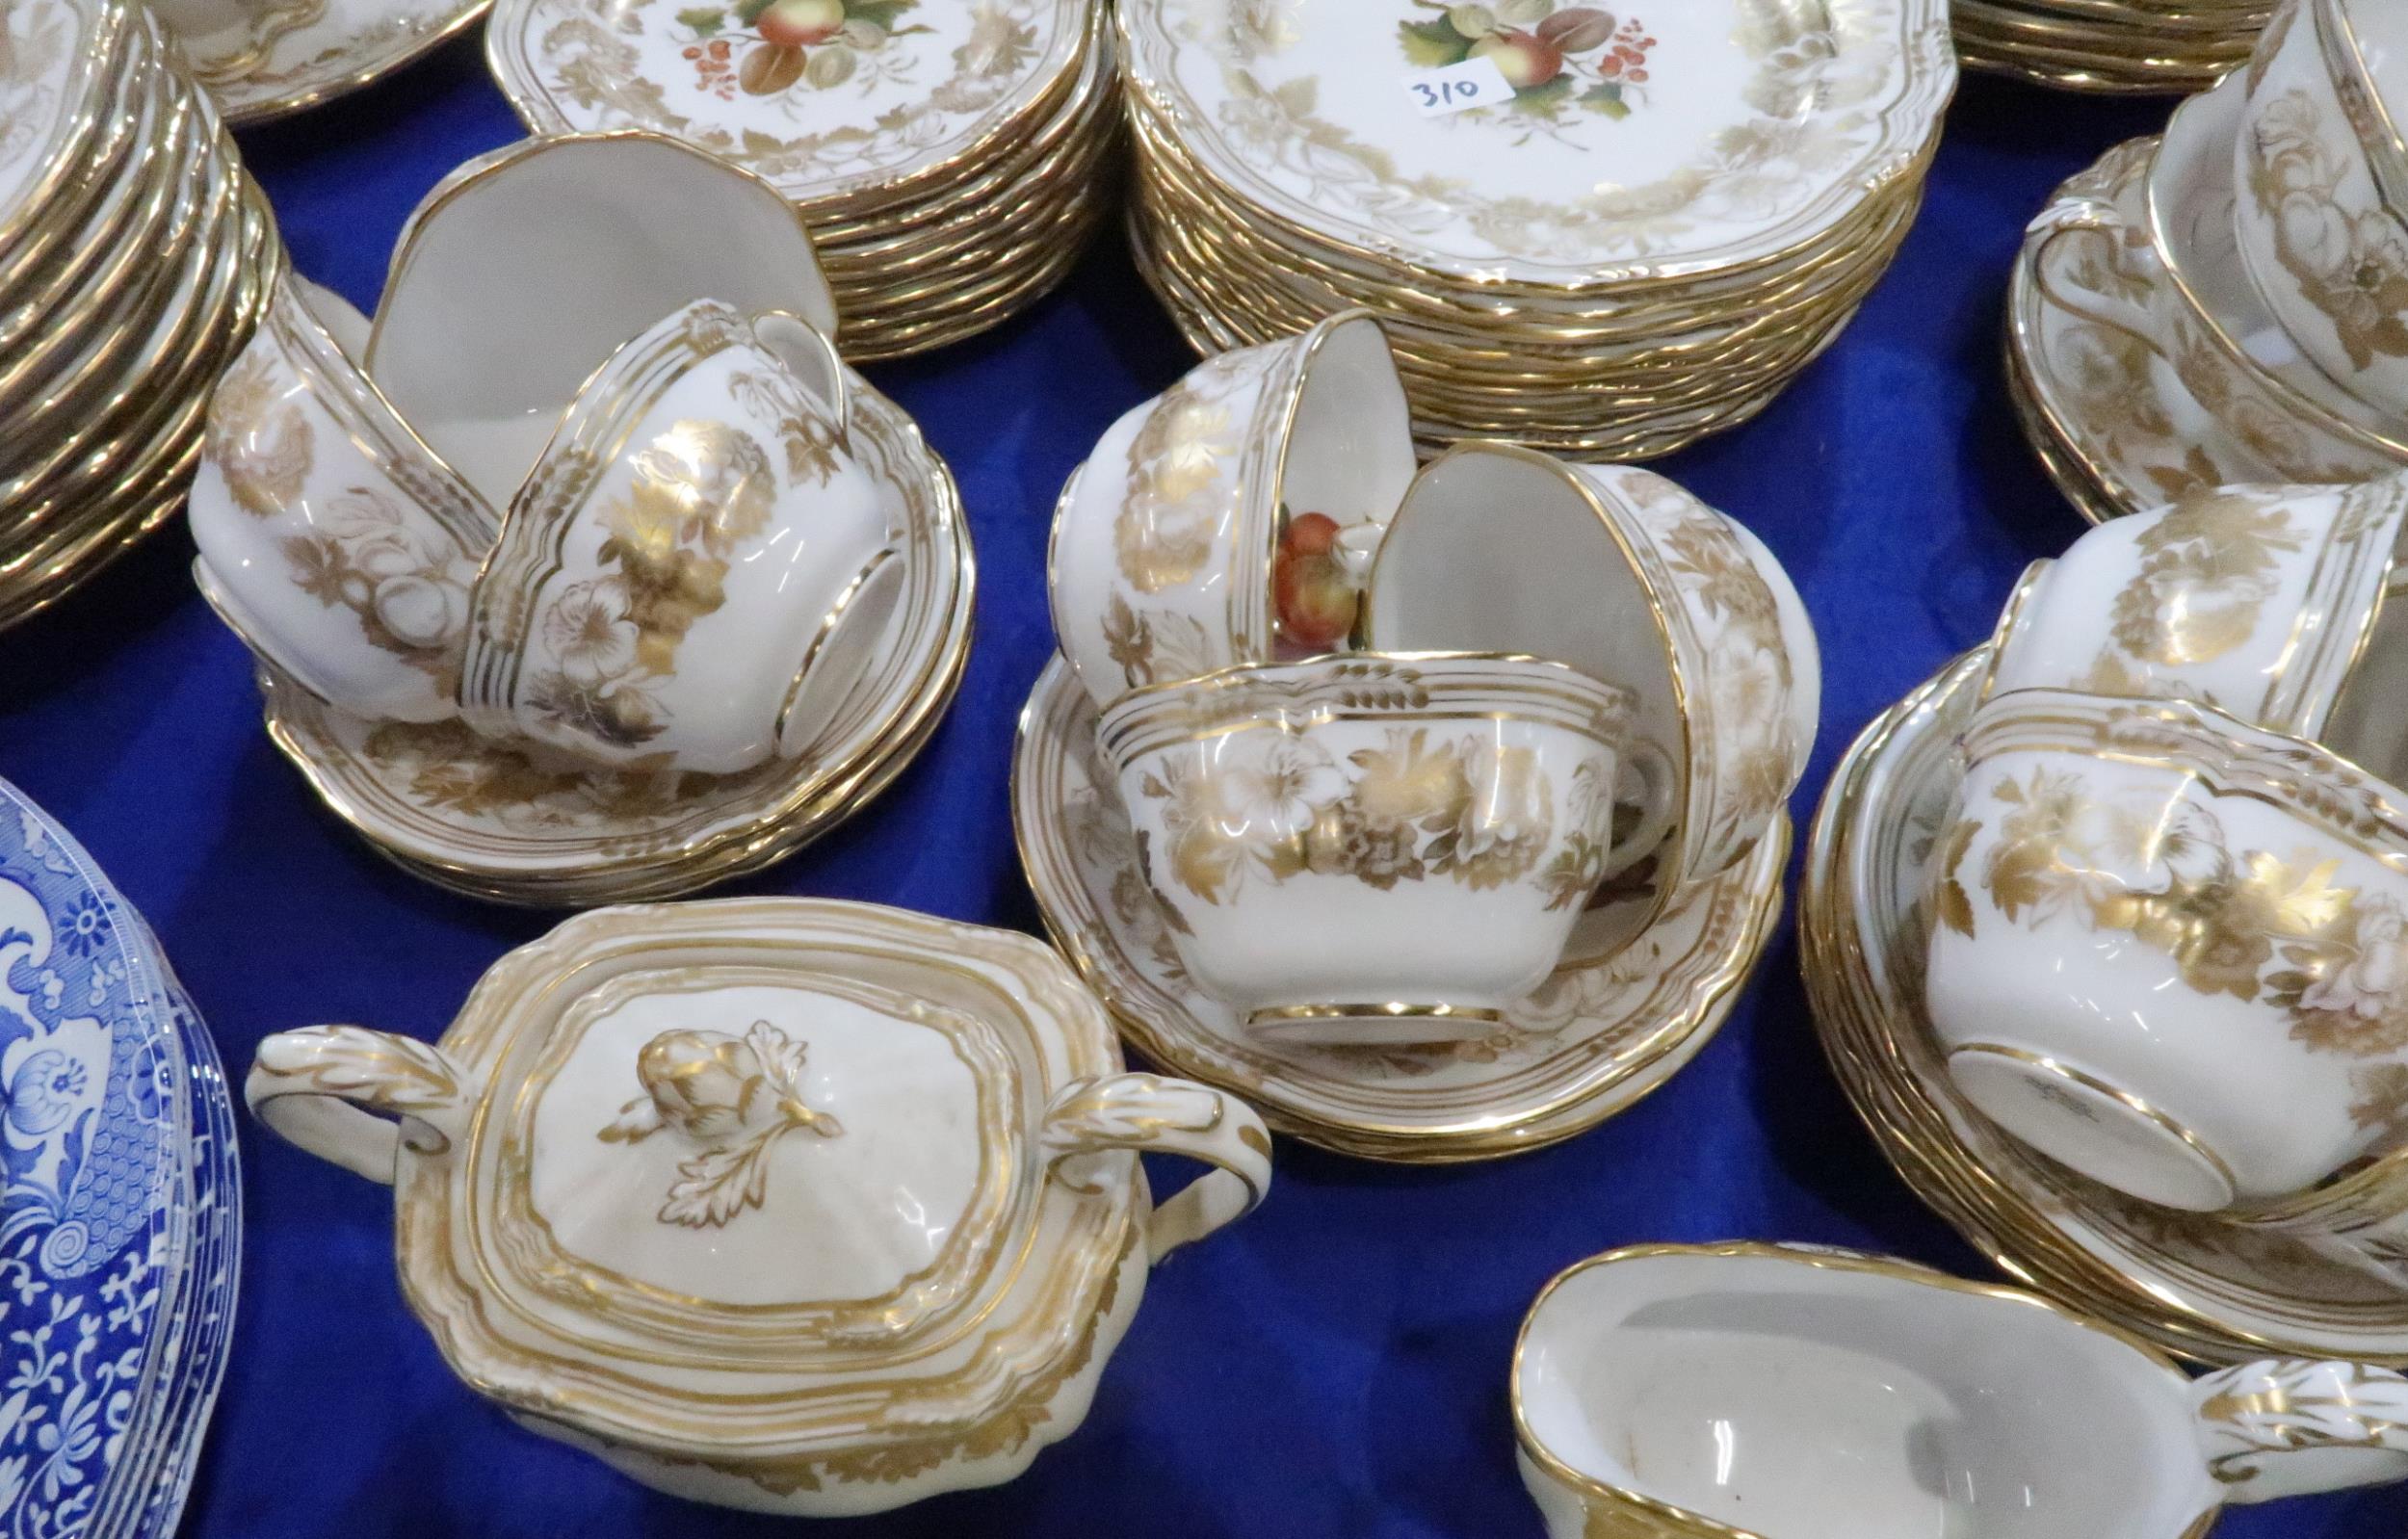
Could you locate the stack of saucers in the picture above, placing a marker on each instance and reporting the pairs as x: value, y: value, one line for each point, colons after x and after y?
x: 1663, y: 218
x: 951, y: 160
x: 135, y: 258
x: 120, y: 1222
x: 2111, y: 45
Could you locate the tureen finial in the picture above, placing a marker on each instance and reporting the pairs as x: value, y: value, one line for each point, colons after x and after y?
x: 733, y: 1096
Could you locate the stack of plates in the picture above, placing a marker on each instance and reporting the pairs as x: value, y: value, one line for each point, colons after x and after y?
x: 951, y: 160
x: 121, y: 1223
x: 2116, y: 45
x: 1675, y: 212
x: 134, y: 258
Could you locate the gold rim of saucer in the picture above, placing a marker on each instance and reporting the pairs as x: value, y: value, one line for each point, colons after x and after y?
x: 2173, y: 1301
x: 1736, y: 912
x: 794, y: 802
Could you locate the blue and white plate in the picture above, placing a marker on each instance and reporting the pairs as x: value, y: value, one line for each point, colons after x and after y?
x: 120, y: 1212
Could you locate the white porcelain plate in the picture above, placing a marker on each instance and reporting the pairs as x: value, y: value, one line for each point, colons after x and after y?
x: 1595, y: 1038
x: 281, y: 59
x: 823, y: 97
x: 1666, y: 138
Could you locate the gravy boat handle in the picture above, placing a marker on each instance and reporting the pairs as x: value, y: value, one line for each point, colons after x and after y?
x: 2293, y: 1427
x: 1155, y: 1115
x: 356, y: 1098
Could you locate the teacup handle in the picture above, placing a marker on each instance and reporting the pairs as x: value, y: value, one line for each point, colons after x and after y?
x: 2095, y: 216
x: 1154, y: 1115
x: 356, y: 1097
x: 2291, y: 1426
x: 1653, y: 768
x: 811, y: 355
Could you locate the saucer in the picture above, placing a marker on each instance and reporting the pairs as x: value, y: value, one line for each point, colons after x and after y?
x: 320, y: 50
x: 2124, y: 419
x: 1596, y: 1038
x: 2114, y: 47
x: 2200, y: 1287
x: 485, y: 820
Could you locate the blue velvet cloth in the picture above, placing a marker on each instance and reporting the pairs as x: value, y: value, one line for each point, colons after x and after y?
x: 1335, y: 1365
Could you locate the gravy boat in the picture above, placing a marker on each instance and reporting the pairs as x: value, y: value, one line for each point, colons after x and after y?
x: 1766, y: 1392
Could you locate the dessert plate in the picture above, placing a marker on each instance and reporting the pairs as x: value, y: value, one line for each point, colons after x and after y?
x: 1599, y: 1036
x: 304, y: 52
x: 2208, y: 1290
x: 1746, y: 128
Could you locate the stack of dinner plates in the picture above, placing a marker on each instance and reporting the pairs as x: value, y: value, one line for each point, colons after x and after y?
x: 120, y: 1217
x: 2117, y: 45
x: 950, y: 158
x: 1657, y: 218
x: 134, y: 258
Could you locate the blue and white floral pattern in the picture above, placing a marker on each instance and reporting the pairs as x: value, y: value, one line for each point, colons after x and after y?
x: 120, y: 1215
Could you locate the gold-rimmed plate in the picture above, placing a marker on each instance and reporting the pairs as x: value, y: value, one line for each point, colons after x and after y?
x: 1598, y: 1037
x: 345, y: 45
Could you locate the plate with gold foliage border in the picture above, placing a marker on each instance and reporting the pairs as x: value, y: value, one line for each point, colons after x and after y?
x: 2210, y: 1289
x: 1606, y: 1029
x: 301, y: 53
x: 489, y: 820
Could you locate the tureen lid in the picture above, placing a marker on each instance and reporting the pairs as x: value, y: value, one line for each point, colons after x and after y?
x: 765, y: 1183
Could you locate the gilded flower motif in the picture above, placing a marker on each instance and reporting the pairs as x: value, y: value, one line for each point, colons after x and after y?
x: 1278, y: 788
x: 2349, y: 259
x: 733, y: 1096
x: 1504, y: 823
x: 588, y: 630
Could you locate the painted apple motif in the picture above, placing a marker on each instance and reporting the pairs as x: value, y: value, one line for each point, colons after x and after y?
x: 800, y: 23
x: 1311, y: 591
x: 1521, y: 57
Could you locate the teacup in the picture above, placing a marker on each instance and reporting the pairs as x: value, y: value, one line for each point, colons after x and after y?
x: 1628, y: 578
x: 697, y: 569
x: 2170, y: 950
x: 2322, y: 212
x: 353, y: 471
x: 2261, y: 601
x: 1375, y: 848
x: 1766, y: 1392
x: 1226, y: 520
x: 526, y: 268
x: 2179, y: 288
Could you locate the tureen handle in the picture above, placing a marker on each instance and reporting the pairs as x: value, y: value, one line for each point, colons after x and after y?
x: 1154, y: 1115
x: 356, y: 1097
x: 2289, y: 1426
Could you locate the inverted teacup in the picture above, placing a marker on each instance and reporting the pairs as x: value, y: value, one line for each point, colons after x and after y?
x: 697, y: 570
x: 2261, y: 601
x: 1628, y: 578
x: 1372, y: 848
x: 1226, y: 521
x: 2322, y: 178
x: 1764, y: 1392
x: 2170, y: 950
